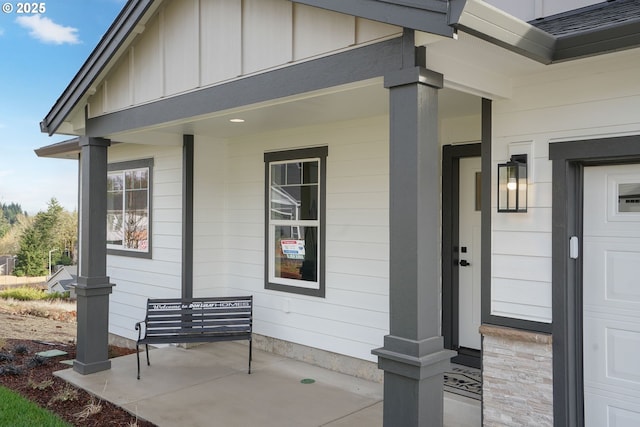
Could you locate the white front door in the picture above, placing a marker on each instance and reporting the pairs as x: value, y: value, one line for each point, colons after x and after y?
x: 611, y: 296
x: 469, y: 254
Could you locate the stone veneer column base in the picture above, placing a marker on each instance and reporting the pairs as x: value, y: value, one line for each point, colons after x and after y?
x: 517, y: 375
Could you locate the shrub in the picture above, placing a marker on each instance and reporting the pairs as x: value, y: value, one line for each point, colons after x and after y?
x: 36, y: 361
x: 10, y: 370
x: 67, y: 394
x: 56, y: 296
x: 26, y: 293
x: 6, y: 357
x: 21, y: 349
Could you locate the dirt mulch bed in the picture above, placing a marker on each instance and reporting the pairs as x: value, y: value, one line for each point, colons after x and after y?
x: 32, y: 376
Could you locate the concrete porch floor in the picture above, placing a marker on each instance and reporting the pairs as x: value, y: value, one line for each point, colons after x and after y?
x: 208, y: 385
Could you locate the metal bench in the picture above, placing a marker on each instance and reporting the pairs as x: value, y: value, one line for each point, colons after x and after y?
x: 194, y: 320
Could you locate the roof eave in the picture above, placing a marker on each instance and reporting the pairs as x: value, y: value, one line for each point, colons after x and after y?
x: 108, y: 46
x: 69, y: 149
x: 431, y: 16
x: 610, y: 39
x: 493, y: 25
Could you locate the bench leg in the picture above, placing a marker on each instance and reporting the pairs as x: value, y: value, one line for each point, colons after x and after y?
x: 138, y: 358
x: 250, y: 354
x: 147, y: 351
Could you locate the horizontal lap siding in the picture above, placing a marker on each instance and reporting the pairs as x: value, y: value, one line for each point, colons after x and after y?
x: 353, y: 318
x: 209, y: 254
x: 591, y: 98
x: 137, y: 279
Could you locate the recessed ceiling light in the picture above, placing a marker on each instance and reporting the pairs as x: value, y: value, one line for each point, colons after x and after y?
x: 236, y: 120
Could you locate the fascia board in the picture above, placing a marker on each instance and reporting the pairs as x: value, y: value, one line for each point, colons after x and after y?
x: 489, y: 23
x: 64, y: 149
x: 615, y: 38
x: 430, y: 16
x: 123, y: 26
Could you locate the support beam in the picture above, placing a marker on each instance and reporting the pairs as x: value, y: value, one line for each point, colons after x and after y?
x: 93, y: 286
x: 413, y: 356
x: 187, y: 215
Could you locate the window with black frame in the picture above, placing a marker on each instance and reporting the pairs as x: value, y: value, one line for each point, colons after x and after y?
x: 129, y: 208
x: 294, y: 220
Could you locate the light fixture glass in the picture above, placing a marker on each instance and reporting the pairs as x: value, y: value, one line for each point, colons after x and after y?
x: 512, y: 184
x: 236, y: 120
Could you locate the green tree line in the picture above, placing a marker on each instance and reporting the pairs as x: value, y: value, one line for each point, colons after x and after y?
x: 31, y: 238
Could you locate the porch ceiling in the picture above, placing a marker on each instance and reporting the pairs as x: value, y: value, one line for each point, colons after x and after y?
x: 339, y: 104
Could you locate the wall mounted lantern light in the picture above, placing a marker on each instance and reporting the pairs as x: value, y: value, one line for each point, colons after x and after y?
x: 512, y: 184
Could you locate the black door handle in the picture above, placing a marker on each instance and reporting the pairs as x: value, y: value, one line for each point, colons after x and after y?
x: 464, y: 263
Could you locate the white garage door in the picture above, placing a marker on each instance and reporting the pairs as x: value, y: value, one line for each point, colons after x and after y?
x: 611, y: 296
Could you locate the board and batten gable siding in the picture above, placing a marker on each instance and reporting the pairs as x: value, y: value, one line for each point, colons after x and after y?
x: 137, y: 279
x: 590, y: 98
x: 354, y: 316
x: 190, y: 44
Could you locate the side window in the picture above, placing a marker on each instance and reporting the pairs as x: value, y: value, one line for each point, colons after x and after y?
x: 295, y: 220
x: 129, y: 186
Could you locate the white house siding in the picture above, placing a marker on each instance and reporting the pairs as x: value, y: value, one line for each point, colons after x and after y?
x: 528, y: 10
x: 191, y: 44
x: 137, y: 279
x: 354, y: 316
x: 591, y: 98
x: 209, y: 257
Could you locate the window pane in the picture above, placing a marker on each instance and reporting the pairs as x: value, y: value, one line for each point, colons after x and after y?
x: 114, y: 201
x: 136, y: 230
x: 296, y: 253
x: 114, y: 182
x: 136, y: 200
x: 114, y: 228
x: 137, y: 178
x: 294, y: 202
x: 310, y: 172
x: 295, y: 173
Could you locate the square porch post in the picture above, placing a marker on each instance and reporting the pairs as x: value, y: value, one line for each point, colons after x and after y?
x: 413, y: 356
x: 93, y: 287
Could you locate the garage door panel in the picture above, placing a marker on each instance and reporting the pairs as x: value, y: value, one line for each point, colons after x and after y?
x: 611, y: 296
x: 612, y: 347
x: 612, y: 268
x: 617, y: 190
x: 609, y: 411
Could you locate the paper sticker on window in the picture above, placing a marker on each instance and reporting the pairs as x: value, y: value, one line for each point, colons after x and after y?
x: 628, y: 197
x: 293, y: 249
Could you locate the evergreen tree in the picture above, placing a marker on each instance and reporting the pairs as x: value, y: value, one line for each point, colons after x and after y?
x: 31, y: 259
x: 4, y: 226
x: 38, y: 239
x: 11, y: 211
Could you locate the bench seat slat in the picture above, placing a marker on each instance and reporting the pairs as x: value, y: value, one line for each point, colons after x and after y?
x: 226, y: 315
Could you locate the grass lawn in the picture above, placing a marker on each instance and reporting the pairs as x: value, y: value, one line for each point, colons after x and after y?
x: 16, y: 411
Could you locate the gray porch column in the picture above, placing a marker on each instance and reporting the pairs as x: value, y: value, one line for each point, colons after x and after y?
x: 413, y: 356
x: 93, y: 286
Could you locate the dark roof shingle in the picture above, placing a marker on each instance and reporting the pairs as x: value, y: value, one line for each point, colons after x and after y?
x: 594, y: 17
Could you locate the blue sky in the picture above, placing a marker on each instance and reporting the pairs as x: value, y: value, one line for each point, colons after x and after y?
x: 39, y: 55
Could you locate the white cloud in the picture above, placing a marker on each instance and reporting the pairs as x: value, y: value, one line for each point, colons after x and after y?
x: 47, y: 31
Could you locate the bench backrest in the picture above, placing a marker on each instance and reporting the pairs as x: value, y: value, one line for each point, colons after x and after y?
x: 223, y: 316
